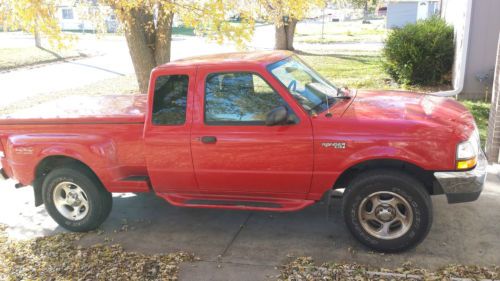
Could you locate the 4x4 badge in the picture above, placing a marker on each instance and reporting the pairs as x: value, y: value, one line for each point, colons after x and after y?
x: 336, y: 145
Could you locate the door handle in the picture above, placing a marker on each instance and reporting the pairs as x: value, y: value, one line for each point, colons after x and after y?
x: 208, y: 139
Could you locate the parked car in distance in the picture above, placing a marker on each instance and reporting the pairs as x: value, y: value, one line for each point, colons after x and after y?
x: 257, y: 131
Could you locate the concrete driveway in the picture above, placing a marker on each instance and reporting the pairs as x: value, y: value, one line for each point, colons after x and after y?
x: 239, y: 245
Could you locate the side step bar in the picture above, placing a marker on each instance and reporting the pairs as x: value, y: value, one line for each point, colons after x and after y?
x: 235, y: 203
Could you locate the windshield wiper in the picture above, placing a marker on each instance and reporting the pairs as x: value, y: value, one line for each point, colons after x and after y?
x: 329, y: 101
x: 342, y: 97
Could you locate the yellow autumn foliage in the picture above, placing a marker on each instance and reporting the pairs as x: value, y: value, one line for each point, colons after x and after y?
x: 34, y: 15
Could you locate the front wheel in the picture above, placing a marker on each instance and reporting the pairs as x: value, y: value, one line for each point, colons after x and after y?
x: 387, y: 210
x: 76, y: 199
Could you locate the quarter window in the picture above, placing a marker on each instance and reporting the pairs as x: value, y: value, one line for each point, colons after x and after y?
x: 239, y: 98
x: 170, y: 99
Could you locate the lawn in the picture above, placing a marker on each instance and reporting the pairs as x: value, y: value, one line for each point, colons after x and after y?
x: 481, y: 112
x: 352, y: 69
x: 17, y: 57
x: 182, y: 30
x: 340, y: 32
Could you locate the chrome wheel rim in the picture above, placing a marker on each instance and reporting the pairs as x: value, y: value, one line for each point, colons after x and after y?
x: 71, y: 201
x: 385, y: 215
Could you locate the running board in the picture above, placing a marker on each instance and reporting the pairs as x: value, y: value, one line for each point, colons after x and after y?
x: 235, y: 203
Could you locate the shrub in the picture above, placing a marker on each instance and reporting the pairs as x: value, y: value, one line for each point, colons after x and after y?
x: 420, y: 53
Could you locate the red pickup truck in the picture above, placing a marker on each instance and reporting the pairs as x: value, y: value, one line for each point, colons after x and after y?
x: 250, y: 131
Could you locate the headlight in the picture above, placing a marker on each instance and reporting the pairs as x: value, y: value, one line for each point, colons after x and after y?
x: 468, y: 151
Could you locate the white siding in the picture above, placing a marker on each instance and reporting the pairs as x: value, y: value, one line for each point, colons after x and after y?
x: 493, y: 141
x: 454, y: 12
x: 401, y: 13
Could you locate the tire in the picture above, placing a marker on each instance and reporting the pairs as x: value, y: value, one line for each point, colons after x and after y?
x: 64, y: 188
x: 387, y: 210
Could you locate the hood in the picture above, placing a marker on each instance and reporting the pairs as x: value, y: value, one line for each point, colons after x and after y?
x: 411, y: 107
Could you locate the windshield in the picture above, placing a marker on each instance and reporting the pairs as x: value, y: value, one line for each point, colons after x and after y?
x: 312, y: 92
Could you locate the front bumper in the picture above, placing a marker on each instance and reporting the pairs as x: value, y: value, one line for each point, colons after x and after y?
x: 464, y: 186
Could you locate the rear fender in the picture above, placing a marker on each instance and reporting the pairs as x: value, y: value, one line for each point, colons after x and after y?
x: 26, y: 152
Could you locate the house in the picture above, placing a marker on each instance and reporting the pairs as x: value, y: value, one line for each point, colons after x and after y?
x: 477, y: 26
x: 400, y: 13
x: 74, y: 16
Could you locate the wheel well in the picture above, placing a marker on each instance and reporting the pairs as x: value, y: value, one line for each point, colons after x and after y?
x: 424, y: 176
x: 50, y: 163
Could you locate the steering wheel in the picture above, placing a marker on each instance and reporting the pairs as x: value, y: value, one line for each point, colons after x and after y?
x: 292, y: 86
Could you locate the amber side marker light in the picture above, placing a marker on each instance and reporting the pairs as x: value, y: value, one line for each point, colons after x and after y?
x: 466, y: 164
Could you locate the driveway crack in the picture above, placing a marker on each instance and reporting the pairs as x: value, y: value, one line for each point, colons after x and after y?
x: 228, y: 246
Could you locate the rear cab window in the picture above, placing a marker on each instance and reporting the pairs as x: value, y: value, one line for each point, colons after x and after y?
x: 170, y: 100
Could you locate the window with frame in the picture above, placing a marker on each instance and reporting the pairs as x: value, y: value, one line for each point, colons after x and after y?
x: 170, y: 100
x: 67, y: 14
x: 239, y: 98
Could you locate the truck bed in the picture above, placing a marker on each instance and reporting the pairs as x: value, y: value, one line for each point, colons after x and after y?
x: 82, y: 110
x: 105, y: 131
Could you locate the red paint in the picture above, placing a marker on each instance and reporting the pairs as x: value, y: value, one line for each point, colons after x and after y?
x: 286, y: 165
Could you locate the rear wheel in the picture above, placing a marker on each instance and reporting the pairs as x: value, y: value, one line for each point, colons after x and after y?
x: 387, y: 210
x: 75, y: 199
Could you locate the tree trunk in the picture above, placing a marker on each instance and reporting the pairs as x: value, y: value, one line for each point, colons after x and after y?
x: 38, y: 40
x: 148, y: 49
x: 280, y: 41
x: 365, y: 12
x: 290, y: 34
x: 163, y: 38
x: 284, y: 35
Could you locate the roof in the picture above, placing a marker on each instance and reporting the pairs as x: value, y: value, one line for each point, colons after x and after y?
x: 258, y: 57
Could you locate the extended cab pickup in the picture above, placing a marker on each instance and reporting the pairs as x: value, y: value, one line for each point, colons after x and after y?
x: 250, y: 131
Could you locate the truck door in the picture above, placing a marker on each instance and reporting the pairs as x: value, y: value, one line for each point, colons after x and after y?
x: 233, y: 150
x: 167, y: 131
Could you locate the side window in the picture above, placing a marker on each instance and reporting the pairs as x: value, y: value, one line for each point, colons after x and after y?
x: 170, y: 99
x: 239, y: 98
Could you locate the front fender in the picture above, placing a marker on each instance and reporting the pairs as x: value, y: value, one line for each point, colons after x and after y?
x: 381, y: 153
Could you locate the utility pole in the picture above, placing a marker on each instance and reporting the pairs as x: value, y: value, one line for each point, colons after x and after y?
x: 323, y: 26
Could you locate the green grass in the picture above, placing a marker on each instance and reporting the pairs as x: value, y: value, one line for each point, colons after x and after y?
x: 352, y: 69
x: 11, y: 58
x: 182, y: 30
x: 340, y: 32
x: 481, y: 112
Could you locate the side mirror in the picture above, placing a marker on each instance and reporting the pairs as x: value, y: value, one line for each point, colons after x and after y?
x: 277, y: 116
